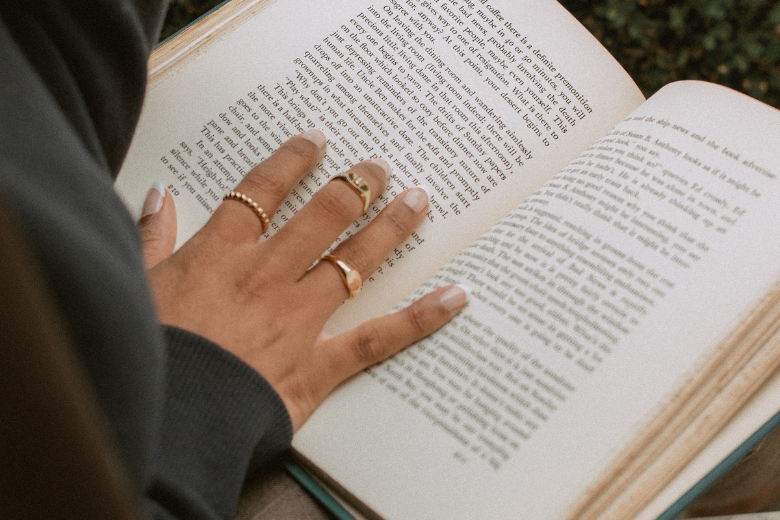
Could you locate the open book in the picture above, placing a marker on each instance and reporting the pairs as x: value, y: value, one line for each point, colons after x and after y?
x: 623, y: 254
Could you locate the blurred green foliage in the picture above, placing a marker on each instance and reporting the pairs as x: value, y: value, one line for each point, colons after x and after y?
x: 732, y: 42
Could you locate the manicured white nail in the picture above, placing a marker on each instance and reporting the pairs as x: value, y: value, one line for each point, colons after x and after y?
x: 417, y: 198
x: 384, y: 165
x: 154, y: 200
x: 316, y: 137
x: 455, y: 297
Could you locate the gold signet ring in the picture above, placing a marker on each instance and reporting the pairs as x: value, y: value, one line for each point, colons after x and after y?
x: 349, y: 276
x: 240, y: 197
x: 356, y: 183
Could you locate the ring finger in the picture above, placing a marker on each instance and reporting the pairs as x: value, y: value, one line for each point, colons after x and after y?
x: 365, y: 251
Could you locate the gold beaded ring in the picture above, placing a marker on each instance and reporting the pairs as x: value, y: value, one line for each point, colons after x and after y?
x: 240, y: 197
x: 350, y: 277
x: 356, y: 183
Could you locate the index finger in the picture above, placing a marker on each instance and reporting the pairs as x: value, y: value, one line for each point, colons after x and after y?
x: 268, y: 184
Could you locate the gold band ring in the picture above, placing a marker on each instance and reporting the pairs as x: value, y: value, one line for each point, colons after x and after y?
x: 240, y: 197
x: 356, y: 183
x: 349, y: 276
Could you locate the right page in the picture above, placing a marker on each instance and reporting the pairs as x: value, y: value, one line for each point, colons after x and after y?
x: 611, y: 305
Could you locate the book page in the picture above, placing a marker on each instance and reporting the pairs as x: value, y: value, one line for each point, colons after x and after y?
x: 593, y: 302
x: 761, y: 409
x: 481, y: 102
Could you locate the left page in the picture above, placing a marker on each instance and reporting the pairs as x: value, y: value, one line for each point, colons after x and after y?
x: 482, y: 102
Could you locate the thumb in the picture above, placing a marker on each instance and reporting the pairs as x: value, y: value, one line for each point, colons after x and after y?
x: 157, y: 225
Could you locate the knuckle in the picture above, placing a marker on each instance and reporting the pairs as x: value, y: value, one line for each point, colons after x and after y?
x: 399, y: 225
x: 301, y: 148
x: 368, y: 349
x: 358, y: 255
x: 267, y: 181
x: 150, y: 236
x: 252, y: 283
x: 334, y: 204
x: 418, y: 319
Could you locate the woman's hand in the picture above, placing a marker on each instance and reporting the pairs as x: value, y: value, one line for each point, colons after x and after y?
x: 263, y: 301
x: 157, y: 225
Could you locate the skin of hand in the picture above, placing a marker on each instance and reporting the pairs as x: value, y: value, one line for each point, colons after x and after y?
x: 267, y: 300
x: 158, y: 225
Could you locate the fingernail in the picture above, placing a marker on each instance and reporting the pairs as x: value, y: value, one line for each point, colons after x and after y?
x: 154, y: 200
x: 384, y: 165
x: 316, y: 137
x: 417, y: 198
x: 455, y: 297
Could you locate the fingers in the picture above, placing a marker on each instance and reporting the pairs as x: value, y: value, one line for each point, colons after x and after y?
x: 365, y: 251
x: 332, y: 209
x: 268, y: 184
x: 382, y: 337
x: 157, y: 225
x: 347, y: 354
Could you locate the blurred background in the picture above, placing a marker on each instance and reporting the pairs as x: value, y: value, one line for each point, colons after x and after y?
x: 732, y: 42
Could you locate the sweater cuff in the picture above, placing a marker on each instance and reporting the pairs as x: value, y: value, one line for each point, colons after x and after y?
x: 221, y: 416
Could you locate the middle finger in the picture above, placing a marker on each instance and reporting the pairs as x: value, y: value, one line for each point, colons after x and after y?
x: 334, y: 207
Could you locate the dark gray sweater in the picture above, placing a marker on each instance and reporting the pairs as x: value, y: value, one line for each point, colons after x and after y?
x: 189, y: 417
